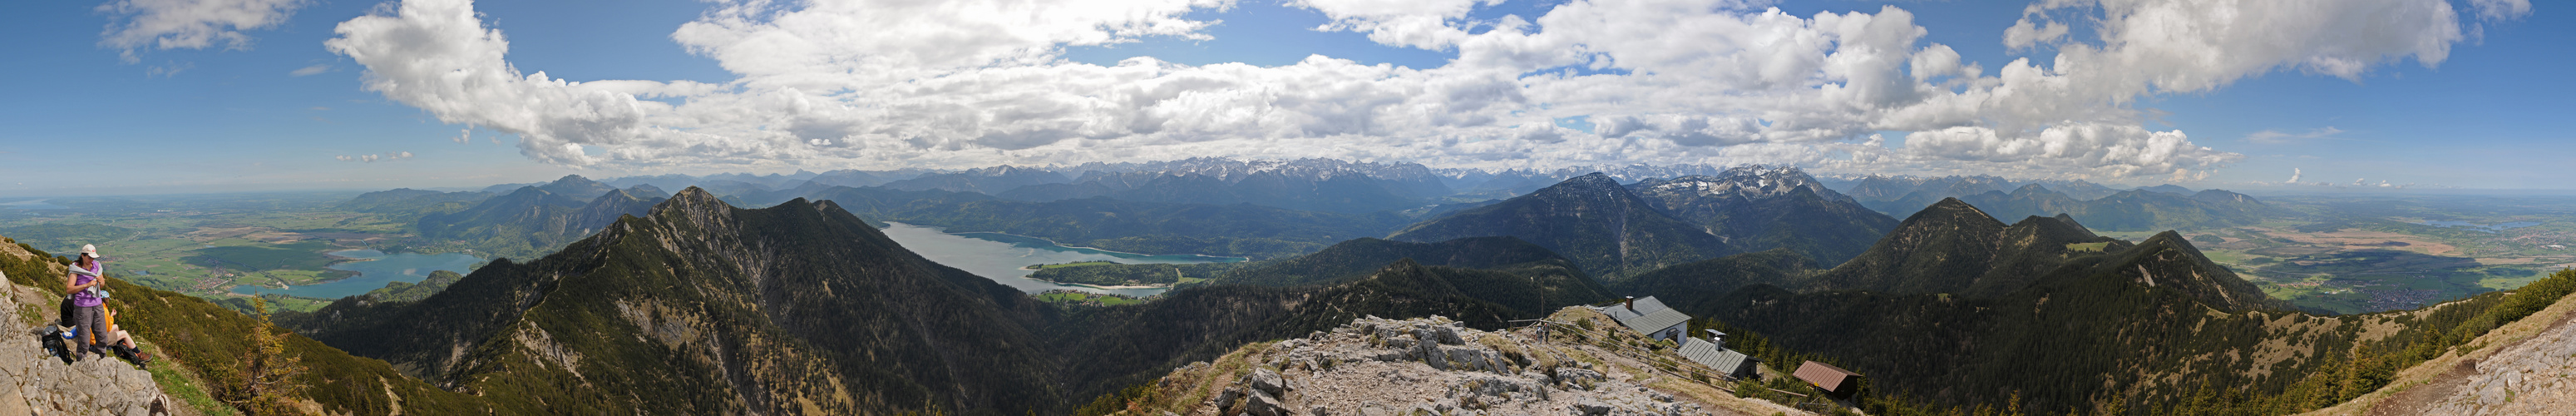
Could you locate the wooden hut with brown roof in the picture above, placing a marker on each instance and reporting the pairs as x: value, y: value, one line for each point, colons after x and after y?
x: 1833, y: 380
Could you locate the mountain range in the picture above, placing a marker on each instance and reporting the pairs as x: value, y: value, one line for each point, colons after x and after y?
x: 1759, y: 208
x: 1593, y: 220
x: 2132, y: 210
x: 689, y: 304
x: 534, y: 220
x: 803, y: 307
x: 2160, y: 207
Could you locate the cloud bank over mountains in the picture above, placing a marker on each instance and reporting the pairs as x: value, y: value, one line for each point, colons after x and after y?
x: 982, y: 82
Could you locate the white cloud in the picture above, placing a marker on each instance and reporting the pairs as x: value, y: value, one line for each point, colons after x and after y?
x: 311, y: 70
x: 2502, y: 9
x: 983, y: 82
x: 2279, y: 137
x: 188, y: 24
x: 2024, y: 34
x: 2084, y: 149
x: 2294, y: 176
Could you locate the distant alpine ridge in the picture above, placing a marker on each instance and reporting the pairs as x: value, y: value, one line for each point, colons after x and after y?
x: 2152, y: 208
x: 1759, y: 208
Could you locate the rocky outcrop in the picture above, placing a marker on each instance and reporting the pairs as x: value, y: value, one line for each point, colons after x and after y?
x: 1376, y: 366
x: 33, y: 381
x: 2524, y: 368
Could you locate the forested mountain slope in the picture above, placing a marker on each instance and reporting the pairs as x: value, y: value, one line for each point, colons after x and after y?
x: 2084, y: 326
x: 702, y: 308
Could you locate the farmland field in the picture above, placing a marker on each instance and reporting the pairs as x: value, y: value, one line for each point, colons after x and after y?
x: 204, y: 245
x: 2353, y: 253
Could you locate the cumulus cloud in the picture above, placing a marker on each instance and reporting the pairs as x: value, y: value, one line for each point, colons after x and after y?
x: 2294, y: 176
x: 188, y: 24
x: 2024, y: 35
x: 981, y: 82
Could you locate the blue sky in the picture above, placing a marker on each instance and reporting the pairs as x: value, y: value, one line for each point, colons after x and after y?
x: 240, y: 116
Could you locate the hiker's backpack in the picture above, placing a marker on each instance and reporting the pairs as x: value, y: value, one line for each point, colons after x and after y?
x: 55, y: 345
x: 68, y: 309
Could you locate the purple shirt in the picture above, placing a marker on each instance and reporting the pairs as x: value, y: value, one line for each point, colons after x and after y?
x: 88, y: 299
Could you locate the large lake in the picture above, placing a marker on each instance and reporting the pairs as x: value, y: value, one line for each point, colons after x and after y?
x: 375, y: 269
x: 1000, y: 256
x: 2497, y: 228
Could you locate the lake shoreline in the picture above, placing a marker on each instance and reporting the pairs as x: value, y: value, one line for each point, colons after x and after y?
x: 1009, y: 259
x: 942, y: 230
x: 367, y: 270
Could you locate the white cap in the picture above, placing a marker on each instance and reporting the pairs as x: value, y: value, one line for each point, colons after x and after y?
x: 90, y: 249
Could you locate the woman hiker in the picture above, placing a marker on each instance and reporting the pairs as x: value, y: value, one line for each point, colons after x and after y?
x: 120, y: 341
x: 85, y: 280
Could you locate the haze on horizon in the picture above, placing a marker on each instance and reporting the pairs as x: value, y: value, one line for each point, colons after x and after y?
x: 129, y: 96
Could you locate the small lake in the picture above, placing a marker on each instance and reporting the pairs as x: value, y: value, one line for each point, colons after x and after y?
x: 2498, y: 228
x: 375, y: 268
x: 1000, y: 256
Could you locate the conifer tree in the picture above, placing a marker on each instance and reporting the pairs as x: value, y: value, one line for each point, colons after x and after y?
x: 268, y: 383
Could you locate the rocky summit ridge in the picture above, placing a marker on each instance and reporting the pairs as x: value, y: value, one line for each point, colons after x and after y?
x: 1375, y: 366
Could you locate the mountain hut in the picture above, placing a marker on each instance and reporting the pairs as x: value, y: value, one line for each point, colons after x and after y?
x: 1734, y: 364
x: 1650, y: 317
x: 1833, y: 380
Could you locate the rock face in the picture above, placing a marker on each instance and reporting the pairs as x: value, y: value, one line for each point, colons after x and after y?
x: 1376, y: 366
x: 2536, y: 376
x: 34, y: 381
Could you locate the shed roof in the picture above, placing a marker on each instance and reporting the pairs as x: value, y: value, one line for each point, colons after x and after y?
x: 1708, y: 354
x: 1655, y: 321
x: 1825, y: 376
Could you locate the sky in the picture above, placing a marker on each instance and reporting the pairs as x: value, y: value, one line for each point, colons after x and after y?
x: 171, y: 96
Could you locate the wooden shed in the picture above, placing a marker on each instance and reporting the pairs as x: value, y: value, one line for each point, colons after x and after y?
x: 1829, y: 378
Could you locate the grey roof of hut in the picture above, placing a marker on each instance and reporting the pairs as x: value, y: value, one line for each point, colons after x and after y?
x: 1658, y: 320
x: 1645, y: 306
x: 1708, y: 354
